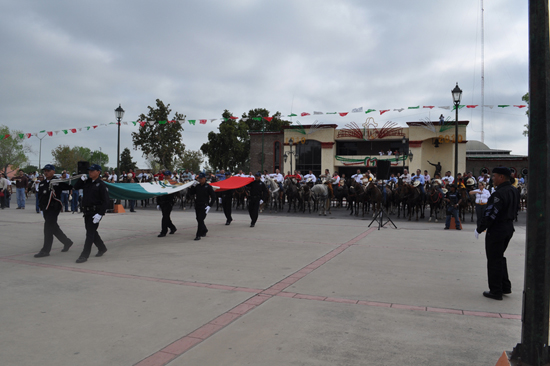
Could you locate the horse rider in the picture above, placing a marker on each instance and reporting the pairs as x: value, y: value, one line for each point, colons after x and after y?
x: 420, y: 178
x: 278, y: 178
x: 311, y: 176
x: 406, y: 177
x: 448, y: 178
x: 358, y: 177
x: 426, y: 176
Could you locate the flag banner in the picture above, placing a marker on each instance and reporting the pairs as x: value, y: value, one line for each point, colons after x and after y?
x: 343, y: 114
x: 21, y: 136
x: 125, y: 123
x: 213, y: 119
x: 202, y: 121
x: 140, y: 191
x: 503, y: 105
x: 384, y: 111
x: 489, y: 105
x: 192, y: 121
x: 445, y: 107
x: 417, y: 107
x: 357, y: 110
x: 292, y: 115
x: 332, y: 113
x: 268, y: 119
x: 471, y: 105
x: 257, y: 118
x: 399, y: 110
x: 428, y: 106
x: 231, y: 183
x: 233, y: 117
x: 370, y: 110
x: 304, y: 114
x: 316, y: 112
x: 520, y: 106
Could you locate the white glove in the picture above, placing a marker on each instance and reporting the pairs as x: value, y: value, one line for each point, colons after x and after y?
x: 476, y: 234
x: 261, y: 201
x: 84, y: 177
x: 158, y: 207
x: 97, y: 218
x: 42, y: 212
x: 207, y: 209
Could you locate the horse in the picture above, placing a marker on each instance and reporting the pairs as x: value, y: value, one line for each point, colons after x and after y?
x: 306, y: 197
x: 435, y: 200
x: 374, y: 196
x: 467, y: 202
x: 413, y: 198
x: 274, y: 192
x: 292, y: 193
x: 321, y: 194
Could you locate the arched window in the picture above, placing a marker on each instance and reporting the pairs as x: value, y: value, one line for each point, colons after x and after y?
x: 308, y: 157
x: 276, y: 155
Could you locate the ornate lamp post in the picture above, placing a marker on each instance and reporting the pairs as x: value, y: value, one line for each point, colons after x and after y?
x: 457, y: 95
x: 290, y: 154
x: 119, y: 113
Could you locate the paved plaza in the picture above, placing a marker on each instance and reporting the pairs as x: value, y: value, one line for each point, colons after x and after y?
x: 298, y: 289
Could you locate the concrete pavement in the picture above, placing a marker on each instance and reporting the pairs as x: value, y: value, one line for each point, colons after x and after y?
x: 297, y: 289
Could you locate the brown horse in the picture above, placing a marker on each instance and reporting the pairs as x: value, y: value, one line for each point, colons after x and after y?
x: 374, y: 195
x: 435, y: 200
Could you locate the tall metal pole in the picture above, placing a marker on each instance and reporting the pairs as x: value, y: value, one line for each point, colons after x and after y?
x: 263, y: 130
x: 482, y: 75
x: 118, y: 150
x: 456, y: 142
x: 40, y: 152
x: 533, y: 348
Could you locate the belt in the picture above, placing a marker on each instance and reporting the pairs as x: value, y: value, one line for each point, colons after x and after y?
x: 90, y: 208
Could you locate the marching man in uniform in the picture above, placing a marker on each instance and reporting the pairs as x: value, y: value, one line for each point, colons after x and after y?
x: 258, y: 191
x: 95, y: 200
x: 204, y: 199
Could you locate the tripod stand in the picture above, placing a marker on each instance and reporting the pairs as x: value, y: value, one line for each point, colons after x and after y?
x: 379, y: 218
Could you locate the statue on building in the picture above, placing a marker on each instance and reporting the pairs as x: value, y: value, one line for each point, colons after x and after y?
x: 437, y: 167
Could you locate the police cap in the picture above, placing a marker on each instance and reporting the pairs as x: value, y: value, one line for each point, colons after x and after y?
x: 48, y: 167
x: 95, y: 167
x: 502, y: 170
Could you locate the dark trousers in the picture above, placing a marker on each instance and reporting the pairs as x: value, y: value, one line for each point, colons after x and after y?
x: 51, y: 229
x: 166, y: 222
x: 253, y: 209
x: 452, y: 212
x: 480, y: 210
x: 496, y: 242
x: 200, y: 211
x: 226, y: 203
x: 92, y: 236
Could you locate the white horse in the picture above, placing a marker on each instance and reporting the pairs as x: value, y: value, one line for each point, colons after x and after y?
x: 274, y: 189
x: 321, y: 193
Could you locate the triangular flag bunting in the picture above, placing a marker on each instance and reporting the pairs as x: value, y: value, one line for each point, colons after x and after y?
x: 428, y: 106
x: 192, y: 121
x: 520, y: 106
x: 292, y: 115
x: 445, y: 107
x: 73, y: 130
x: 417, y: 107
x: 94, y: 127
x: 50, y: 133
x: 370, y: 110
x: 257, y: 118
x: 268, y: 119
x: 503, y: 105
x: 21, y: 136
x: 343, y: 114
x: 202, y: 121
x: 213, y: 119
x: 303, y: 114
x: 125, y: 123
x: 489, y: 105
x: 399, y: 110
x: 331, y: 113
x: 65, y: 131
x: 357, y: 110
x: 233, y: 117
x: 162, y: 122
x: 29, y: 135
x: 384, y: 111
x: 471, y: 105
x: 315, y: 112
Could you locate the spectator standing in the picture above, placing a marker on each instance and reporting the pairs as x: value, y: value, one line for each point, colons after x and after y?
x: 21, y: 182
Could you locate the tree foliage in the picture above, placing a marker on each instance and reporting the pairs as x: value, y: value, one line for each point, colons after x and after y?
x: 191, y: 160
x: 525, y: 98
x: 230, y: 148
x: 126, y: 162
x: 161, y: 142
x: 12, y: 151
x: 67, y: 158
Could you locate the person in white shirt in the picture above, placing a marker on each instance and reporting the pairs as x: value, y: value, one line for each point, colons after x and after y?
x: 448, y: 178
x: 426, y: 176
x: 369, y: 175
x: 482, y: 196
x: 358, y: 177
x: 381, y: 153
x: 390, y: 152
x: 310, y: 175
x: 406, y: 177
x: 335, y: 179
x: 278, y: 178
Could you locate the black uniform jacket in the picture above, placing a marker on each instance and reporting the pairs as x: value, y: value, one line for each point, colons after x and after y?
x: 203, y: 194
x: 502, y: 207
x: 95, y: 195
x: 47, y: 200
x: 258, y: 189
x: 166, y: 200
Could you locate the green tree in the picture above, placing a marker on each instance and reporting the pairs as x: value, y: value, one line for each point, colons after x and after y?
x: 126, y: 162
x: 12, y: 151
x: 29, y: 169
x: 255, y: 123
x: 67, y: 158
x: 228, y: 149
x: 525, y: 98
x: 191, y: 160
x: 99, y: 158
x: 160, y: 141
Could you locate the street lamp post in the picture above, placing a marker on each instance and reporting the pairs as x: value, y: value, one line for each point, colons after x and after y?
x: 457, y: 95
x: 404, y: 142
x: 119, y: 113
x: 290, y: 154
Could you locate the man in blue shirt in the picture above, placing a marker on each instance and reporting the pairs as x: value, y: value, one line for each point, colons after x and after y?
x: 419, y: 177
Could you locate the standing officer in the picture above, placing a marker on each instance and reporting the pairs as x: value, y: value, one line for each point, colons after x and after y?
x: 258, y: 190
x: 50, y: 204
x: 227, y: 201
x: 95, y: 199
x: 165, y: 203
x: 498, y: 220
x: 204, y: 199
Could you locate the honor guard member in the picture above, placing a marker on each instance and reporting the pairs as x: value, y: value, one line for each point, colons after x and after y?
x: 227, y: 201
x: 258, y: 190
x: 204, y: 199
x: 498, y: 220
x: 49, y: 202
x: 95, y: 200
x: 165, y: 203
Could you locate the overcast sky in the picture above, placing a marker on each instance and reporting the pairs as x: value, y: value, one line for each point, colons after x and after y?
x: 68, y: 64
